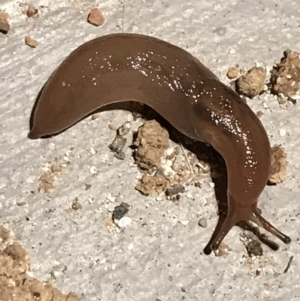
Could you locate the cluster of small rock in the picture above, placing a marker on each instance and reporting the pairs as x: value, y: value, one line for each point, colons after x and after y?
x: 95, y: 17
x: 284, y: 78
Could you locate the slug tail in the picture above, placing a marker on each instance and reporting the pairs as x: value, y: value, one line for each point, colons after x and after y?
x: 260, y: 221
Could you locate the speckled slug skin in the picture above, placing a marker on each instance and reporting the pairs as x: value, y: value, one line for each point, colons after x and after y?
x: 121, y: 67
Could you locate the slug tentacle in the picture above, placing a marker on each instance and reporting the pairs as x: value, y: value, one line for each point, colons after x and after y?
x: 260, y: 221
x: 230, y: 221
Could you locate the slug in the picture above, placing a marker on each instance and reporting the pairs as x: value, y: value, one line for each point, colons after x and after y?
x: 122, y: 67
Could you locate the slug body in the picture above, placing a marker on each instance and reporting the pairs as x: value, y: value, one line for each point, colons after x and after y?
x: 122, y: 67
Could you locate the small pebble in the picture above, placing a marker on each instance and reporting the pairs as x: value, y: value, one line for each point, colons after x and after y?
x: 282, y: 132
x: 93, y: 170
x: 95, y: 116
x: 124, y: 204
x: 232, y: 73
x: 184, y: 222
x: 189, y: 196
x: 252, y: 83
x: 169, y: 151
x: 169, y: 163
x: 4, y: 234
x: 265, y: 105
x: 259, y: 114
x: 121, y: 155
x: 31, y: 42
x: 95, y: 17
x: 119, y: 212
x: 92, y: 151
x: 205, y: 167
x: 110, y: 198
x: 123, y: 222
x: 175, y: 190
x: 21, y: 203
x: 88, y: 186
x: 118, y: 144
x: 112, y: 126
x: 4, y: 23
x: 76, y: 205
x: 212, y: 184
x: 254, y: 248
x: 32, y: 11
x: 124, y: 129
x: 202, y: 222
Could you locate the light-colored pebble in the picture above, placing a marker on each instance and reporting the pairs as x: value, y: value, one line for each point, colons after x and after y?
x: 93, y: 170
x: 282, y: 132
x: 123, y: 222
x: 184, y: 222
x: 92, y: 151
x: 31, y: 42
x: 169, y: 151
x: 265, y: 105
x: 110, y: 198
x: 168, y: 170
x: 124, y: 129
x: 189, y: 196
x: 202, y: 222
x: 296, y: 96
x: 205, y: 167
x: 169, y: 163
x: 129, y: 118
x: 130, y: 246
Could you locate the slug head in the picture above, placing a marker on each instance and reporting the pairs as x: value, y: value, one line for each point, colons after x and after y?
x: 236, y: 215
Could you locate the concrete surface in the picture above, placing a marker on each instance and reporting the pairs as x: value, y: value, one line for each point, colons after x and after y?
x: 158, y: 259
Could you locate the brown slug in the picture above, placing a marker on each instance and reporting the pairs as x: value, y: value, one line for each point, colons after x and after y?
x: 122, y: 67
